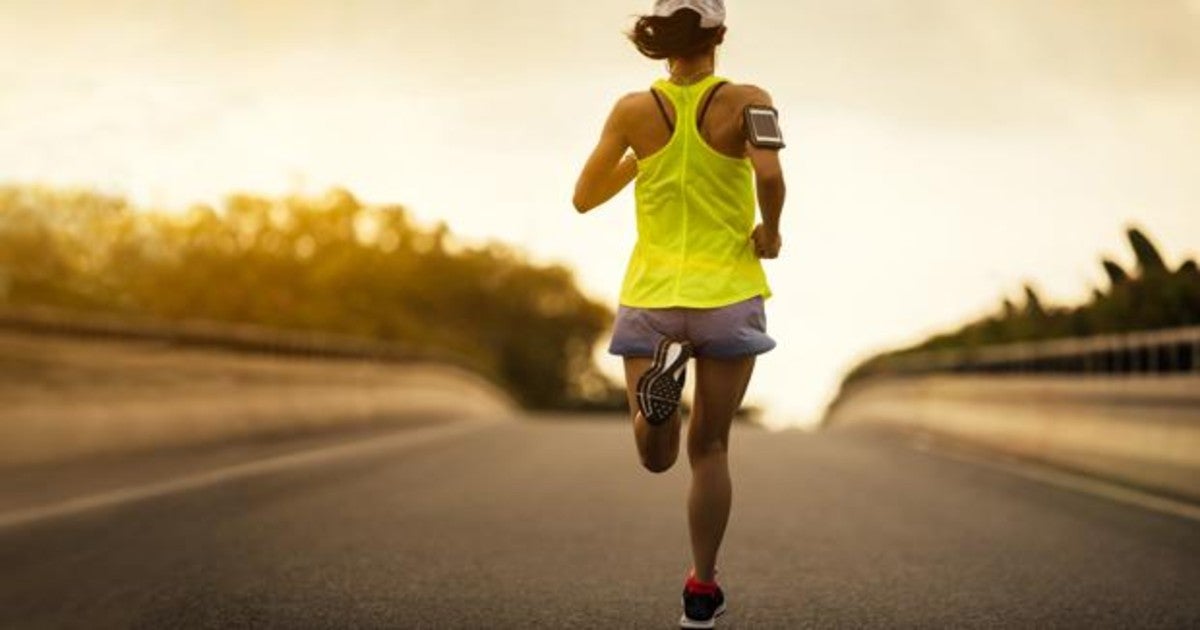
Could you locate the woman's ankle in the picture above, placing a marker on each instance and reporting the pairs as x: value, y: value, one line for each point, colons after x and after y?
x: 702, y: 580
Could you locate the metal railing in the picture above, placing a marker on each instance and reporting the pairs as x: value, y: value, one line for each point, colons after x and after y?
x: 1151, y: 353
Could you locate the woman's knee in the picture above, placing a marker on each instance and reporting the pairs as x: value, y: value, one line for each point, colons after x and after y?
x: 658, y: 463
x: 701, y: 447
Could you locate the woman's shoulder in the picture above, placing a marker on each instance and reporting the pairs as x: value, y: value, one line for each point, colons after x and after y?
x: 634, y: 99
x: 634, y: 104
x: 748, y: 93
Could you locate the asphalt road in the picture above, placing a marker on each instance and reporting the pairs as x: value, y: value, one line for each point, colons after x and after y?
x: 542, y: 524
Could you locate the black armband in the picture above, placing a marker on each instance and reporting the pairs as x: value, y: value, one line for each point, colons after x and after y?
x: 762, y: 127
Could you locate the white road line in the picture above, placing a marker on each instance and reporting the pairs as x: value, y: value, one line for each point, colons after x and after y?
x: 404, y: 440
x: 1069, y: 481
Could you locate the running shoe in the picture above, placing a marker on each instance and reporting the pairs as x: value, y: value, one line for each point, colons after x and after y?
x: 702, y: 604
x: 659, y: 389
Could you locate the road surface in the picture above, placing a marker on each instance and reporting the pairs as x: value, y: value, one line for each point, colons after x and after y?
x: 551, y: 524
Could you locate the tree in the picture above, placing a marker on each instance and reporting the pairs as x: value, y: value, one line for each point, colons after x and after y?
x: 1152, y: 298
x: 1116, y: 274
x: 1148, y: 258
x: 329, y: 263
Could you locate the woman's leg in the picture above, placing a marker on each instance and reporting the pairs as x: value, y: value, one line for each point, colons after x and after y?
x: 658, y: 446
x: 720, y: 386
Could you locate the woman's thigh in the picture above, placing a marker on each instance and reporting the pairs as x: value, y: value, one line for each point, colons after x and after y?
x: 720, y: 386
x: 635, y: 367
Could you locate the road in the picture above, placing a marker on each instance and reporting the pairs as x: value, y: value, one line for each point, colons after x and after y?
x: 551, y: 524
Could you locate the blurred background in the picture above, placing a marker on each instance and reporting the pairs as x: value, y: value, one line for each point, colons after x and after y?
x: 402, y: 170
x: 299, y: 327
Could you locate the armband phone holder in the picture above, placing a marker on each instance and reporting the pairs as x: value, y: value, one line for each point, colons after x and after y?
x: 762, y: 127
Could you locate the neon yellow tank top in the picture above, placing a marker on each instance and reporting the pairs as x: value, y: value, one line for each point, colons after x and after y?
x: 695, y: 215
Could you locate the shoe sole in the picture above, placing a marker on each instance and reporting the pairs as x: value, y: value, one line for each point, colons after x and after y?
x: 685, y: 622
x: 658, y: 391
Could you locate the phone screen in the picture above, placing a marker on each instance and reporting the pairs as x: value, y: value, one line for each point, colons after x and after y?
x: 765, y: 126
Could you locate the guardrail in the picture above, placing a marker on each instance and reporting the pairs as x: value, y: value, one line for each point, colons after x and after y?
x: 244, y: 382
x: 1123, y: 407
x: 226, y: 336
x: 1162, y: 352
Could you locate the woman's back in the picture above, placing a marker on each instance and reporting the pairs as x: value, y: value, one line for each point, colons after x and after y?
x: 722, y: 127
x: 695, y: 200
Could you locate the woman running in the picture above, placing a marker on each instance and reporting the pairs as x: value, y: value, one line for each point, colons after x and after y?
x: 702, y: 147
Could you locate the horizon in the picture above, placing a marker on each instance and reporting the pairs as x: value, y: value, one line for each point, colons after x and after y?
x: 1056, y: 126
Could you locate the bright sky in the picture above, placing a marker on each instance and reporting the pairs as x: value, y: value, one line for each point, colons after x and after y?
x: 941, y: 152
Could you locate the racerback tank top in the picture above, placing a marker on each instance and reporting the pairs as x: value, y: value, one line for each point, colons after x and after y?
x: 695, y: 214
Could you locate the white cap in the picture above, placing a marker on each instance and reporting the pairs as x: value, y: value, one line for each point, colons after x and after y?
x: 712, y: 12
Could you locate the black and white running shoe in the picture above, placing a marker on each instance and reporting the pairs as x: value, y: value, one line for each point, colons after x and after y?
x: 702, y: 604
x: 659, y: 389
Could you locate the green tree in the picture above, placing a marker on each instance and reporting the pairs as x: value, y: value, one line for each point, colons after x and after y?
x: 329, y: 263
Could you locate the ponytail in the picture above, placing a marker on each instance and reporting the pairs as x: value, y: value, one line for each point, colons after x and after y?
x: 677, y: 36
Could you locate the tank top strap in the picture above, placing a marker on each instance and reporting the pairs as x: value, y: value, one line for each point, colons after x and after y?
x: 687, y: 99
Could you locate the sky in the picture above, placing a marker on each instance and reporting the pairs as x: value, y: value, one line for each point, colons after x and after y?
x: 941, y: 152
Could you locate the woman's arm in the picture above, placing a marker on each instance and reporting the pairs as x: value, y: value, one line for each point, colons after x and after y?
x: 772, y: 191
x: 606, y: 172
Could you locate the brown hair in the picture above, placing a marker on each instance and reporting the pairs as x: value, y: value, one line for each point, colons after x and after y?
x: 677, y: 36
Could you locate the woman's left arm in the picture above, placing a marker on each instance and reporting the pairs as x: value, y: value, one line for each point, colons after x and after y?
x: 606, y: 172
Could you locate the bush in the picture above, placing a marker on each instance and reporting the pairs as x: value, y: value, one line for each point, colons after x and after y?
x: 1150, y: 297
x: 327, y: 263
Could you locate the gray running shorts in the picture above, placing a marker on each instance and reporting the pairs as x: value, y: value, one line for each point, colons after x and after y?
x: 728, y: 332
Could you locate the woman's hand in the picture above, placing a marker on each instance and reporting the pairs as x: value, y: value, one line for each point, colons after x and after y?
x: 767, y: 242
